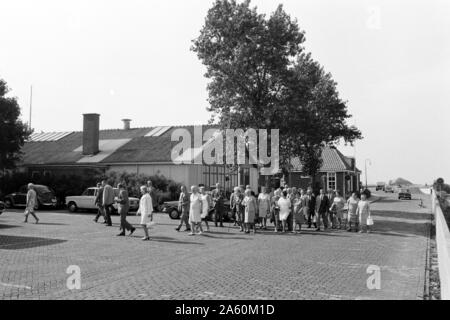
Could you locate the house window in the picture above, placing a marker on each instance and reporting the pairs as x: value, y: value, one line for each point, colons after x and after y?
x: 35, y: 175
x: 218, y: 174
x: 331, y: 180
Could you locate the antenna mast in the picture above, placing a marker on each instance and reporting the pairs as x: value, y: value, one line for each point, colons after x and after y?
x: 31, y: 105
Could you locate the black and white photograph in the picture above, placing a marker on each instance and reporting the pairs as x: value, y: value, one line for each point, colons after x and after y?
x: 219, y: 157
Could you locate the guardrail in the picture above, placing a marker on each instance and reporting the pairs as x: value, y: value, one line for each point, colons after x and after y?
x: 443, y: 247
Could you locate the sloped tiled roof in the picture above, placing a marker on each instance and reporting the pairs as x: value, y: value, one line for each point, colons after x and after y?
x: 133, y: 146
x: 333, y: 161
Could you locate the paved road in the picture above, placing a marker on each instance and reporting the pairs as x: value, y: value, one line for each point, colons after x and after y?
x: 224, y: 264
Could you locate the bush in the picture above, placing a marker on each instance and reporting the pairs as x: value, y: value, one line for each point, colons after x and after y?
x: 167, y: 189
x: 74, y: 184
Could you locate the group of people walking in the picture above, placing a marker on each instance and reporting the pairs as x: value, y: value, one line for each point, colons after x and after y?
x: 288, y: 209
x: 106, y: 198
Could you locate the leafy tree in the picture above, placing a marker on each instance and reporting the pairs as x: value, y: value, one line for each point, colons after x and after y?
x: 13, y: 132
x: 260, y: 77
x: 317, y: 115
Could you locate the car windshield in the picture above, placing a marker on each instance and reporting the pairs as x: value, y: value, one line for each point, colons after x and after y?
x: 42, y: 189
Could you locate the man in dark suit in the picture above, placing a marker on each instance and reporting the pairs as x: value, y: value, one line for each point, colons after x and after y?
x: 108, y: 201
x: 311, y: 198
x: 123, y: 203
x: 322, y: 206
x: 218, y: 198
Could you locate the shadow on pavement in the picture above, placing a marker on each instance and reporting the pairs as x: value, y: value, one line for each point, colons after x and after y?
x: 169, y: 240
x: 211, y: 235
x: 402, y: 215
x: 17, y: 242
x: 406, y: 223
x: 7, y: 226
x: 51, y: 224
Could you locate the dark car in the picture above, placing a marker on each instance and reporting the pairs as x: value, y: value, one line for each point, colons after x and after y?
x: 2, y: 207
x: 380, y: 186
x: 404, y: 194
x: 171, y: 208
x: 45, y: 197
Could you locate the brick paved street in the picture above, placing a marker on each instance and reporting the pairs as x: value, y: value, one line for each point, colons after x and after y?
x: 224, y: 264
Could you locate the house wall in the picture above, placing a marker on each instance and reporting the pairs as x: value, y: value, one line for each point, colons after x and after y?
x: 187, y: 174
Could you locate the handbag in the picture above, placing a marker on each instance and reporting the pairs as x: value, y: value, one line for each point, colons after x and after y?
x: 369, y: 221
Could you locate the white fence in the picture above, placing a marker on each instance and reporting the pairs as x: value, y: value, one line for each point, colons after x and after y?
x: 443, y: 247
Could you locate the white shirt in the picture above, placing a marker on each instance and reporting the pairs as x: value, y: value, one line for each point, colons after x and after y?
x: 145, y: 204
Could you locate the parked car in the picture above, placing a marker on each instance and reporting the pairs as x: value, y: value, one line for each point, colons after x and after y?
x: 404, y: 194
x: 380, y: 186
x: 388, y: 189
x: 2, y: 207
x: 171, y: 208
x: 87, y: 201
x: 45, y: 197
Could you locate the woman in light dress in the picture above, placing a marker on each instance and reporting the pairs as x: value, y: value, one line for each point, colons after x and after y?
x: 285, y: 209
x: 300, y: 203
x: 363, y: 213
x: 31, y: 203
x: 206, y: 206
x: 195, y: 211
x: 352, y: 205
x: 275, y: 209
x: 250, y: 211
x: 339, y: 204
x: 146, y: 211
x: 264, y: 207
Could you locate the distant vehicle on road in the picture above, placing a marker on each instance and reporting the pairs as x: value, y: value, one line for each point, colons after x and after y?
x: 171, y: 208
x: 380, y: 186
x: 45, y: 197
x: 404, y: 194
x: 87, y: 201
x: 2, y: 207
x: 388, y: 189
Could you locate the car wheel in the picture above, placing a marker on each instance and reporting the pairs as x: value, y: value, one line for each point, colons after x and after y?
x: 72, y: 206
x: 174, y: 214
x: 8, y: 203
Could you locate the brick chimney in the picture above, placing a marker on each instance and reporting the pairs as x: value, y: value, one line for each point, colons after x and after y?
x: 91, y: 128
x: 126, y: 124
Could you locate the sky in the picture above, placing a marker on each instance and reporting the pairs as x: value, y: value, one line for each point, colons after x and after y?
x: 132, y: 59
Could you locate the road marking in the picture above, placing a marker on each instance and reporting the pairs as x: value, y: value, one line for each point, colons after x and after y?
x: 15, y: 285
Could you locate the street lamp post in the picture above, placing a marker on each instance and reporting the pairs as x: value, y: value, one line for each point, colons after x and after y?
x: 365, y: 165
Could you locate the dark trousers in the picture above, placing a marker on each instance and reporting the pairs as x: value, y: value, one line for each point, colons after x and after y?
x: 289, y: 222
x: 100, y: 213
x: 324, y: 217
x: 310, y: 219
x: 184, y: 219
x: 124, y: 224
x: 108, y: 212
x: 218, y: 216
